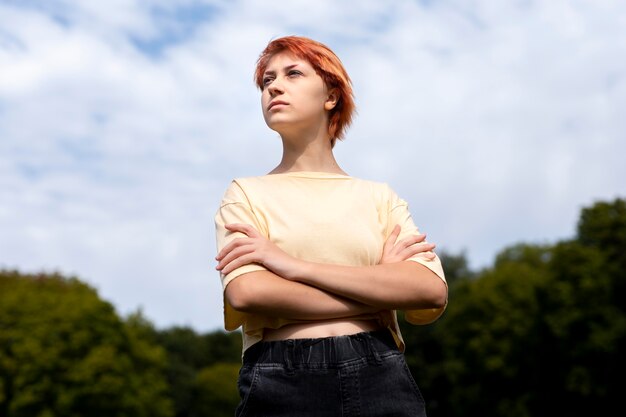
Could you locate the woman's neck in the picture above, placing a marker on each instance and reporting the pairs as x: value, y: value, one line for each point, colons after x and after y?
x: 308, y: 162
x: 312, y: 153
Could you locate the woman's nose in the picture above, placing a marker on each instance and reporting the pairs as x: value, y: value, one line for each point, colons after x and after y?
x: 275, y: 87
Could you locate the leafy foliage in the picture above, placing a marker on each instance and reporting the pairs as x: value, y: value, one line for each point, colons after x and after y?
x: 193, y: 359
x: 540, y: 333
x: 64, y: 352
x: 215, y: 391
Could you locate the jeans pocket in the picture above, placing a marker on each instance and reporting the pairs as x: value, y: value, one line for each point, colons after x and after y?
x: 409, y: 376
x: 246, y: 383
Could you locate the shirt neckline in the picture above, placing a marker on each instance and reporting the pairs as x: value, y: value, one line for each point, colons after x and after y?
x: 310, y: 174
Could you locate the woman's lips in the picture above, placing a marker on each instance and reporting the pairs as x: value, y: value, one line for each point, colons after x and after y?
x: 276, y: 103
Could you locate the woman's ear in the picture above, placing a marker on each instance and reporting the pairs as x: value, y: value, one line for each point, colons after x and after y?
x: 331, y: 100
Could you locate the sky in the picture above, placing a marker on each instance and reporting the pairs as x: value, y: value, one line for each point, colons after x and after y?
x: 123, y: 122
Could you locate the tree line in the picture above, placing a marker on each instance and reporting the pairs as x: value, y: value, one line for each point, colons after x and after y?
x: 541, y: 332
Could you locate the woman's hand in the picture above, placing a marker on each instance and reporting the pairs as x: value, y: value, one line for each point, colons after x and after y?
x: 255, y: 248
x: 406, y: 248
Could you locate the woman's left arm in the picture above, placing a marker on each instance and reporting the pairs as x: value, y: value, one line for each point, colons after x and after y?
x: 398, y: 285
x: 405, y: 285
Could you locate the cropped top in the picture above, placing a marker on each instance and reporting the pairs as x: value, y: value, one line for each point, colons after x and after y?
x: 318, y: 217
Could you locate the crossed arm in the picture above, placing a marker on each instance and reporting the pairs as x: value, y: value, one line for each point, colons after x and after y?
x: 297, y: 289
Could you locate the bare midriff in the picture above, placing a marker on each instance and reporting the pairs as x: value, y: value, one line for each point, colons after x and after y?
x: 326, y: 328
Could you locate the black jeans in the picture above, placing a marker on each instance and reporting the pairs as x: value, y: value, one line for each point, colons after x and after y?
x: 357, y: 375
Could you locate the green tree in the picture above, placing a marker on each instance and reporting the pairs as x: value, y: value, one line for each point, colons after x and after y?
x: 65, y: 352
x: 189, y: 354
x: 609, y: 236
x: 603, y: 227
x: 588, y: 314
x: 215, y: 391
x: 540, y: 333
x: 490, y: 338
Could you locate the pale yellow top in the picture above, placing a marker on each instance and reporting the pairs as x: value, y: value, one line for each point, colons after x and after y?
x: 317, y: 217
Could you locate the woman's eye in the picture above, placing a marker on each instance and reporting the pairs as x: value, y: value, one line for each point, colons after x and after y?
x: 294, y: 72
x: 266, y: 81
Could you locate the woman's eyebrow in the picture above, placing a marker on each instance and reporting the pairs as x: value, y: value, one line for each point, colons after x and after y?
x: 285, y: 69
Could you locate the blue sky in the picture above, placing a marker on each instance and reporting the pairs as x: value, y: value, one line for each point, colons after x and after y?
x: 122, y: 123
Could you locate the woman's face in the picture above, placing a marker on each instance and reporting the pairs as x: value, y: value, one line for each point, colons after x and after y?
x: 294, y: 97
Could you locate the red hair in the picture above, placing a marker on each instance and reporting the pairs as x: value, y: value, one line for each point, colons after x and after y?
x: 327, y: 65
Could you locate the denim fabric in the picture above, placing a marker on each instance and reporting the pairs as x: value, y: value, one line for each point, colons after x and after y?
x: 357, y: 375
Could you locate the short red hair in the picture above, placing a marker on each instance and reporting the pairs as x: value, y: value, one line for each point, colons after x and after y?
x: 327, y: 65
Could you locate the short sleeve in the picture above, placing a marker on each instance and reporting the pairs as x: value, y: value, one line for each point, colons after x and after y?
x: 398, y: 213
x: 234, y: 208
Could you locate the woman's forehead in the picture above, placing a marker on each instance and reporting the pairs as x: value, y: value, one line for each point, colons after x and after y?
x: 281, y: 60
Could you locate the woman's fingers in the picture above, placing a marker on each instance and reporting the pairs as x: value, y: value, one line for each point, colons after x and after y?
x: 234, y: 254
x: 412, y: 240
x: 420, y: 248
x: 413, y: 245
x: 232, y: 245
x: 424, y: 249
x: 243, y: 228
x: 242, y: 251
x: 246, y: 229
x: 236, y: 263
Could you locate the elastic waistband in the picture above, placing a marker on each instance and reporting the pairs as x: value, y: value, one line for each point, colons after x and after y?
x: 325, y: 350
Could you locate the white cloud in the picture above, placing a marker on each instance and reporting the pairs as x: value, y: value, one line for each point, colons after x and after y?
x: 497, y: 122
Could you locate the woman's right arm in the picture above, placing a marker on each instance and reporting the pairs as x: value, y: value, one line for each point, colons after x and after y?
x: 265, y: 293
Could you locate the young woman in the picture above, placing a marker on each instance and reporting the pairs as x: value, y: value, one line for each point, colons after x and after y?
x: 315, y: 262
